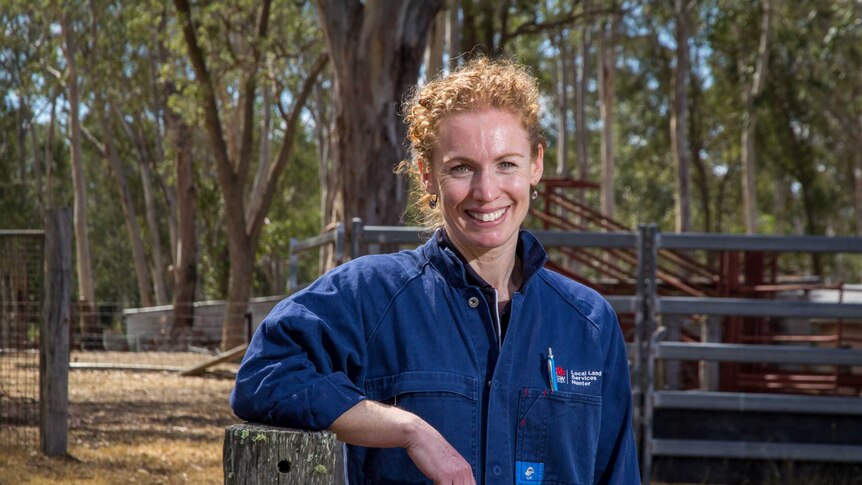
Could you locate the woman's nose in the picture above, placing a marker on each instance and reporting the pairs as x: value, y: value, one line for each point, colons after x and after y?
x: 486, y: 187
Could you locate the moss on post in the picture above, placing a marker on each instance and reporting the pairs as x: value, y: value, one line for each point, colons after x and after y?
x: 264, y: 455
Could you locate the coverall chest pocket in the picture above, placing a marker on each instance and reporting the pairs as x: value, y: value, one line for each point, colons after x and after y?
x: 445, y: 400
x: 557, y: 437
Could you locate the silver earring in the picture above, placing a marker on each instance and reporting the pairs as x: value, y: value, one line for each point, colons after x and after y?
x: 432, y: 202
x: 534, y: 194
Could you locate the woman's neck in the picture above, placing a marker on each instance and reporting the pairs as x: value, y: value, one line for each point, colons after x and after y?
x: 499, y: 267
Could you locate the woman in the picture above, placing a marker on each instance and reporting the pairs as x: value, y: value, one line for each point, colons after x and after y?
x: 463, y: 361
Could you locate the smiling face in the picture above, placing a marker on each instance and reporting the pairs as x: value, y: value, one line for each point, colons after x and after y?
x: 481, y: 171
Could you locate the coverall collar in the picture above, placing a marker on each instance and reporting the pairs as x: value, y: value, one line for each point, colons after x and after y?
x: 449, y: 265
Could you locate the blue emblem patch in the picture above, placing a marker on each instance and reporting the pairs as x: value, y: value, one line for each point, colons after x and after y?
x: 529, y: 473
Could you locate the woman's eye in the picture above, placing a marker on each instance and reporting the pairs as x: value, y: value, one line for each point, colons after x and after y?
x: 508, y: 165
x: 460, y: 169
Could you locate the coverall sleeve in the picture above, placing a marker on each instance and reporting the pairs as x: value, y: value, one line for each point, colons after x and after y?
x: 298, y: 367
x: 616, y: 461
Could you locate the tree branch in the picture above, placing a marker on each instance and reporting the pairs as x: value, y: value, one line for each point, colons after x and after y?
x: 533, y: 26
x: 248, y: 96
x: 211, y: 111
x: 260, y: 203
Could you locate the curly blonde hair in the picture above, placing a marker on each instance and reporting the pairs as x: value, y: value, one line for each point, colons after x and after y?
x: 479, y: 84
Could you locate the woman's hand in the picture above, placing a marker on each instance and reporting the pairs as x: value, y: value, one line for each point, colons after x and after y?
x: 436, y: 458
x: 375, y: 425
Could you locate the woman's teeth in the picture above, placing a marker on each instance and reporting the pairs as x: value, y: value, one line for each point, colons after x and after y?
x: 487, y: 216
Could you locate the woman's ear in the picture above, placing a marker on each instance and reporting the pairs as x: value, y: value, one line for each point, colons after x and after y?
x: 538, y: 166
x: 426, y: 178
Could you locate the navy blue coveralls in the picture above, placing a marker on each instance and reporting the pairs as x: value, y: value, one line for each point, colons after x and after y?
x: 408, y: 329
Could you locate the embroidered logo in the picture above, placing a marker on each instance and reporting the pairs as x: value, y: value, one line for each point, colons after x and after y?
x: 561, y: 375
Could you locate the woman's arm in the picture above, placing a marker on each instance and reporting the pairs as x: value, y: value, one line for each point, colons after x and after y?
x: 375, y: 425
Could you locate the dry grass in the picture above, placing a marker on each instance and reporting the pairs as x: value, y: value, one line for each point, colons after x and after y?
x: 133, y: 427
x: 160, y: 461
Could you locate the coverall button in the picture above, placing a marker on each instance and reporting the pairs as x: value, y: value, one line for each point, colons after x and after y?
x: 497, y: 470
x: 496, y: 384
x: 473, y: 302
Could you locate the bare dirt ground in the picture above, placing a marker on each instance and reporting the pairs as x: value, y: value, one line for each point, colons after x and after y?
x: 133, y: 426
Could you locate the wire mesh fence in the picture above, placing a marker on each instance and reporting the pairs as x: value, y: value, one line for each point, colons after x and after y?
x: 21, y: 286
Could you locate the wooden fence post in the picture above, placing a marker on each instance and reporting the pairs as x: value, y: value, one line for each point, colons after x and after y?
x: 54, y: 335
x: 267, y: 455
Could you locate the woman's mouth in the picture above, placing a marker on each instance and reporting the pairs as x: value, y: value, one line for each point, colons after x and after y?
x: 487, y: 216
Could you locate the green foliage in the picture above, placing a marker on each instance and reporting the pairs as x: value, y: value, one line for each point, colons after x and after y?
x: 808, y: 136
x: 295, y: 213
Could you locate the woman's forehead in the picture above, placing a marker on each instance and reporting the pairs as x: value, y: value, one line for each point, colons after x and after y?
x: 489, y: 130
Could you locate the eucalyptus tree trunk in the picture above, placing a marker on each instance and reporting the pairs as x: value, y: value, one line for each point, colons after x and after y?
x: 434, y: 51
x: 49, y: 155
x: 607, y: 80
x: 22, y: 116
x: 244, y: 217
x: 38, y: 192
x: 679, y: 120
x: 857, y: 178
x: 155, y: 241
x: 749, y: 124
x: 109, y: 151
x: 562, y: 105
x: 701, y: 175
x: 185, y: 269
x: 582, y: 133
x: 321, y: 111
x: 453, y: 33
x: 86, y: 287
x: 376, y: 49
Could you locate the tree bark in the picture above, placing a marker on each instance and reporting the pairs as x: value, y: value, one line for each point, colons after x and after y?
x: 562, y: 105
x: 582, y: 133
x: 749, y: 124
x: 159, y: 265
x: 679, y: 120
x: 49, y: 155
x: 139, y: 257
x: 161, y: 92
x: 607, y: 80
x: 434, y: 51
x: 376, y: 50
x: 185, y: 269
x: 453, y: 31
x: 86, y: 288
x: 38, y: 192
x: 701, y: 176
x: 857, y: 178
x: 21, y: 121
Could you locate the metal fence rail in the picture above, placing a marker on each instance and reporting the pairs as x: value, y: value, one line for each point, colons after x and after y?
x: 747, y: 402
x: 335, y: 236
x: 757, y: 450
x: 752, y: 402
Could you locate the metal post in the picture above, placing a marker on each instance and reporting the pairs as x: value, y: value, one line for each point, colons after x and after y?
x: 709, y: 371
x: 293, y: 267
x: 339, y: 243
x: 646, y: 461
x: 672, y: 368
x: 54, y: 334
x: 355, y: 237
x: 645, y: 325
x: 638, y: 368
